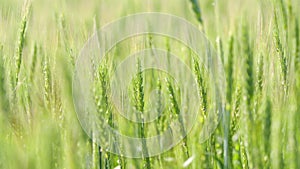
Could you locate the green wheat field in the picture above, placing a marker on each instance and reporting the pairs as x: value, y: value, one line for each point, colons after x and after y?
x: 258, y: 42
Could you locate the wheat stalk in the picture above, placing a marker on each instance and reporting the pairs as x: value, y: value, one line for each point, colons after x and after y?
x: 297, y: 46
x: 33, y: 62
x: 21, y: 41
x: 3, y: 94
x: 197, y: 10
x: 267, y: 131
x: 227, y: 132
x: 63, y: 39
x: 247, y: 51
x: 234, y: 125
x: 281, y: 53
x: 176, y: 109
x: 243, y: 153
x: 229, y: 71
x: 220, y: 49
x: 139, y: 106
x: 260, y: 73
x: 47, y: 80
x: 201, y: 87
x: 284, y: 17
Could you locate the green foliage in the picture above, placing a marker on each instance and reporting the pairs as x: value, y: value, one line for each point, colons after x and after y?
x: 259, y: 129
x: 197, y: 11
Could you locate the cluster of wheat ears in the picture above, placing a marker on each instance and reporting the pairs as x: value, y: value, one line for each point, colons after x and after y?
x: 258, y: 43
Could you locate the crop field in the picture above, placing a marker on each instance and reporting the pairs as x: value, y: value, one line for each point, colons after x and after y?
x: 172, y: 84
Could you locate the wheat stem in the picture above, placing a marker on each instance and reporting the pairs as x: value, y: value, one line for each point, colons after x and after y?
x: 139, y: 106
x: 3, y: 94
x: 178, y: 114
x: 281, y: 53
x: 197, y: 11
x: 249, y: 70
x: 21, y: 41
x: 201, y: 87
x: 227, y: 139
